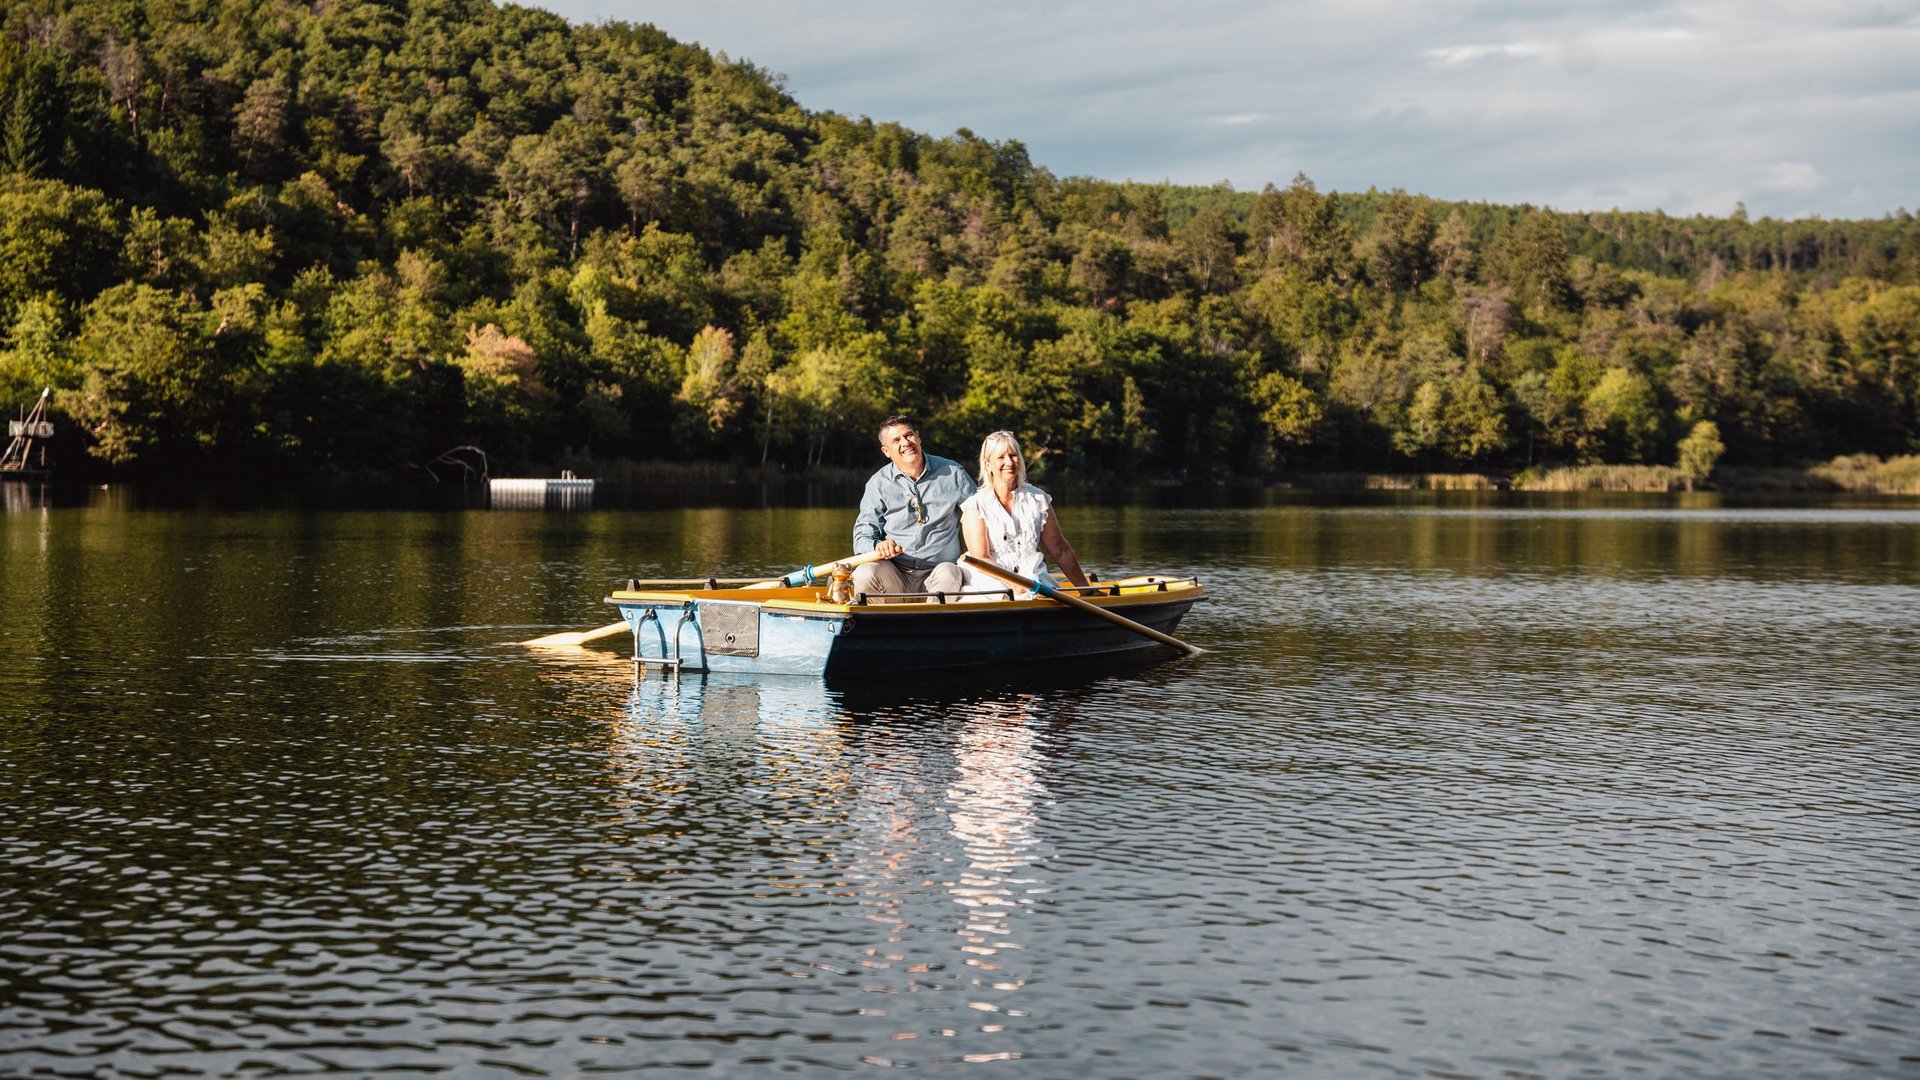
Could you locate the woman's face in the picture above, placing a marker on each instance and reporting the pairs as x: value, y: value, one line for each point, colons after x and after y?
x: 1003, y: 463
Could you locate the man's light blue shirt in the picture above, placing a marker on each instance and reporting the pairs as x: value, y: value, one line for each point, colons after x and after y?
x: 887, y: 512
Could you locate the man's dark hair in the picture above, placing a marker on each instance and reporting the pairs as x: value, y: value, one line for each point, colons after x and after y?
x: 896, y: 421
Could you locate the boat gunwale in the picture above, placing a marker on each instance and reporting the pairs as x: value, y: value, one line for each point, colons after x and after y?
x: 1135, y: 592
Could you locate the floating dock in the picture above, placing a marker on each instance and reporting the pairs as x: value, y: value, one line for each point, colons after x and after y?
x: 567, y: 493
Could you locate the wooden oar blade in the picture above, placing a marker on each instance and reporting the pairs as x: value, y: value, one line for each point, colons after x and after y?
x: 576, y: 637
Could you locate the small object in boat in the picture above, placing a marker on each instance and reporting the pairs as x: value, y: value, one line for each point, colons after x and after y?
x: 840, y: 586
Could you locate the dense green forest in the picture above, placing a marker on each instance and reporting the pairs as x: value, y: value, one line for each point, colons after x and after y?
x: 338, y: 237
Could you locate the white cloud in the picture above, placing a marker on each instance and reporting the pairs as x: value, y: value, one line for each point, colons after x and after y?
x: 1682, y: 105
x: 1790, y: 176
x: 1454, y: 55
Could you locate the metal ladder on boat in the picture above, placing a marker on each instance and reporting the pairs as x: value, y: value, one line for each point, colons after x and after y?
x: 674, y: 664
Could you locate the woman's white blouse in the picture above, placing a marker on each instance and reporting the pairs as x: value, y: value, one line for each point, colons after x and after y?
x: 1013, y: 535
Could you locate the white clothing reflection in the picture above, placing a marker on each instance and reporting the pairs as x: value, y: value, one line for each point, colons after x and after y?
x: 993, y: 797
x: 947, y: 841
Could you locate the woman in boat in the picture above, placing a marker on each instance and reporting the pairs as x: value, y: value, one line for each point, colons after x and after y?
x: 1010, y: 522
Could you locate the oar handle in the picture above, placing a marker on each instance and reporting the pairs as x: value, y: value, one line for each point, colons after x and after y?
x: 804, y: 576
x: 812, y: 573
x: 1050, y: 591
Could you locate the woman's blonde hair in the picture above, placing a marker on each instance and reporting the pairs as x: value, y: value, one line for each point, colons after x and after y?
x: 997, y: 439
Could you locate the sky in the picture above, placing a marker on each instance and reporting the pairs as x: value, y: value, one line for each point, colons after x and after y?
x: 1796, y: 108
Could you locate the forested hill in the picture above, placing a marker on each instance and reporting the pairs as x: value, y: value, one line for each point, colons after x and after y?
x: 343, y: 236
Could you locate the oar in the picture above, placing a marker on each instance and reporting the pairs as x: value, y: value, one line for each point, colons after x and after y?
x: 803, y: 576
x: 807, y: 575
x: 577, y: 637
x: 1051, y: 592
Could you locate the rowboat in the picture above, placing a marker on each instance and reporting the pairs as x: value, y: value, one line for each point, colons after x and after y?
x: 728, y: 626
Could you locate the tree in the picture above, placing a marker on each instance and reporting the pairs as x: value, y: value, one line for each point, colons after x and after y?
x: 647, y: 184
x: 1147, y: 215
x: 1534, y: 264
x: 552, y: 179
x: 150, y: 385
x: 125, y: 70
x: 1622, y: 411
x: 503, y: 374
x: 1209, y: 250
x: 233, y: 254
x: 1454, y: 254
x: 260, y: 124
x: 54, y: 238
x: 1399, y: 250
x: 411, y: 157
x: 36, y: 353
x: 1289, y: 409
x: 27, y: 98
x: 1458, y: 416
x: 1699, y: 452
x: 1102, y: 268
x: 21, y: 137
x: 1309, y: 230
x: 710, y: 389
x: 832, y: 391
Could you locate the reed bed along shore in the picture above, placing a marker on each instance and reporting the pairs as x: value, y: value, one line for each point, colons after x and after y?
x: 1356, y: 481
x: 1650, y: 478
x: 1868, y: 474
x: 1858, y: 474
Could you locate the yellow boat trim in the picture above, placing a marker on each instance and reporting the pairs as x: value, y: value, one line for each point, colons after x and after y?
x: 1133, y: 591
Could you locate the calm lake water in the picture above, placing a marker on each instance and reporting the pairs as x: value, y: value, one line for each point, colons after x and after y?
x: 1463, y: 787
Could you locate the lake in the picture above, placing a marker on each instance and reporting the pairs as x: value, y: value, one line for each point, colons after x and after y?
x: 1463, y: 786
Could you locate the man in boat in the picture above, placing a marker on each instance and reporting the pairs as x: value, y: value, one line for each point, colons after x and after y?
x: 910, y: 514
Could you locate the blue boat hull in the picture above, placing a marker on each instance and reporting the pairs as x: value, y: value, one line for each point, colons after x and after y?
x: 794, y: 632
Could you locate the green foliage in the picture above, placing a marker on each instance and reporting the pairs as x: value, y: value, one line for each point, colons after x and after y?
x: 1289, y: 408
x: 1458, y: 417
x: 149, y: 378
x: 1621, y: 411
x: 54, y: 238
x: 712, y: 390
x: 1700, y: 451
x: 349, y: 235
x: 34, y: 352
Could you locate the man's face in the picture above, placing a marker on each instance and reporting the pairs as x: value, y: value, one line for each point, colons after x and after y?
x: 901, y: 444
